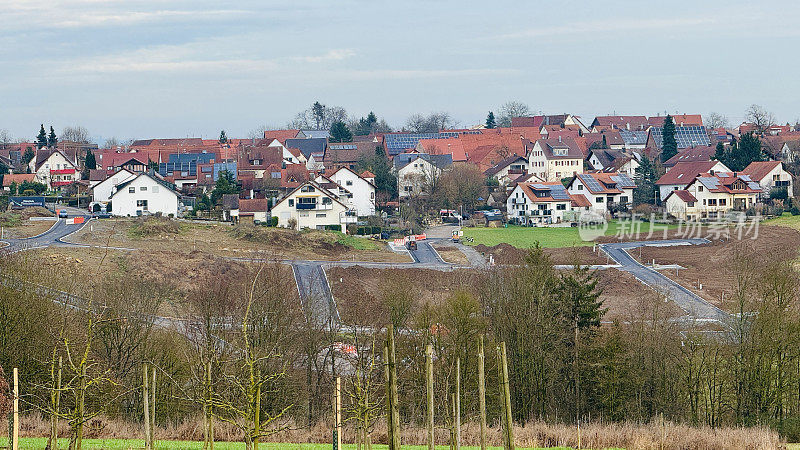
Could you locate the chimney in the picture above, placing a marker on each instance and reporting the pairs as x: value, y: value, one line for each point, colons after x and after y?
x: 559, y: 138
x: 628, y: 126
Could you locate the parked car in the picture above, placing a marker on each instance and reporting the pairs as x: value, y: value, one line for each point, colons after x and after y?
x: 101, y: 215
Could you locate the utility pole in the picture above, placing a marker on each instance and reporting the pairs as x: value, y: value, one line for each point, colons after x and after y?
x: 15, y: 435
x: 429, y: 386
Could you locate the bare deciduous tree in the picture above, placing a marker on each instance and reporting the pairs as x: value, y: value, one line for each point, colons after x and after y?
x: 512, y: 109
x: 717, y: 120
x: 76, y: 133
x: 759, y: 117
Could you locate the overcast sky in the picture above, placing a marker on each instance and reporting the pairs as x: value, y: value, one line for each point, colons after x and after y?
x: 136, y: 69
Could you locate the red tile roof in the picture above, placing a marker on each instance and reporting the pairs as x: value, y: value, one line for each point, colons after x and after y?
x: 684, y: 173
x: 253, y: 205
x: 692, y: 154
x: 529, y: 188
x: 684, y: 195
x: 579, y: 201
x: 757, y: 170
x: 281, y: 135
x: 17, y: 178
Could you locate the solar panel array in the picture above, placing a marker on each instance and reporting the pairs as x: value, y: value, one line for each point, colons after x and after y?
x: 753, y: 185
x: 559, y: 192
x: 623, y: 180
x: 637, y: 137
x: 343, y: 146
x: 689, y: 136
x: 710, y: 182
x: 397, y: 143
x: 591, y: 183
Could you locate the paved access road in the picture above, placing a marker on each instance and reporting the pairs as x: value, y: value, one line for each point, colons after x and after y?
x: 51, y: 237
x: 315, y: 293
x: 694, y: 305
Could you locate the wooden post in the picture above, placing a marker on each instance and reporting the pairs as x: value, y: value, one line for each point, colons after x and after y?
x: 146, y: 400
x: 453, y: 421
x: 55, y: 399
x: 257, y: 413
x: 457, y: 404
x: 209, y: 412
x: 153, y: 409
x: 337, y: 406
x: 15, y: 436
x: 482, y: 392
x: 509, y: 432
x: 396, y: 441
x: 429, y: 386
x: 388, y: 380
x: 80, y: 407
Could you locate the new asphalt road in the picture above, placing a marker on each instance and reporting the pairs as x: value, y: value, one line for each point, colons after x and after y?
x: 51, y: 237
x: 697, y: 307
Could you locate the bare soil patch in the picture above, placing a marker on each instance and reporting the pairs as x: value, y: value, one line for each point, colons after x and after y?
x: 508, y: 254
x: 710, y: 265
x: 357, y: 290
x: 451, y: 254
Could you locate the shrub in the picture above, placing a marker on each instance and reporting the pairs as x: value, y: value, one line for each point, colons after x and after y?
x: 153, y: 226
x: 795, y: 210
x: 292, y: 223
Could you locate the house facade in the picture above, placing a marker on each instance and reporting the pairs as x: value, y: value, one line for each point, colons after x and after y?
x: 606, y: 191
x: 711, y: 197
x: 315, y: 207
x: 538, y: 203
x: 362, y: 191
x: 770, y: 175
x: 144, y: 194
x: 102, y: 191
x: 415, y: 171
x: 683, y: 173
x: 55, y: 170
x: 554, y: 159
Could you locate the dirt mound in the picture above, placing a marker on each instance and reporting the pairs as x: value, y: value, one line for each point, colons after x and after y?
x: 154, y: 226
x: 503, y: 253
x: 183, y: 270
x: 36, y: 211
x: 319, y: 242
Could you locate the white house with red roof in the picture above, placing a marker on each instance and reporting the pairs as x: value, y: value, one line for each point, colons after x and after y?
x: 54, y: 169
x: 314, y: 207
x: 604, y: 190
x: 711, y: 197
x: 102, y: 190
x: 554, y: 159
x: 770, y: 175
x: 541, y: 203
x: 683, y: 173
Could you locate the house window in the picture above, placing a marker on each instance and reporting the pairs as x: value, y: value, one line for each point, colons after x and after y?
x: 599, y: 200
x: 291, y: 202
x: 349, y: 183
x: 712, y: 202
x: 321, y: 215
x: 699, y: 188
x: 131, y: 190
x: 143, y: 188
x: 561, y: 206
x: 722, y: 202
x: 307, y: 188
x: 623, y: 199
x: 580, y: 187
x: 141, y: 204
x: 690, y: 204
x: 326, y: 201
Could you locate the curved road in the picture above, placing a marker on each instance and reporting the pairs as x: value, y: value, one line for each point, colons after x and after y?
x: 697, y: 307
x: 51, y: 237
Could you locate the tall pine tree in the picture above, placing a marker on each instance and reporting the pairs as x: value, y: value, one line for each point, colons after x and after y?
x: 645, y: 179
x: 669, y: 146
x: 490, y: 121
x: 223, y: 139
x: 41, y: 139
x: 340, y: 132
x: 52, y: 139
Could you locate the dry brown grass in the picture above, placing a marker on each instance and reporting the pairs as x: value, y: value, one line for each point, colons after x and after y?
x: 627, y: 435
x: 451, y: 254
x: 243, y: 241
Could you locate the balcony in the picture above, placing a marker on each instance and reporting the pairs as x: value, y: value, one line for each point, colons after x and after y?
x: 314, y: 206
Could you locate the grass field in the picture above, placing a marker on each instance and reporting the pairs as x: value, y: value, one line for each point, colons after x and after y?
x: 786, y: 220
x: 119, y: 444
x: 548, y: 237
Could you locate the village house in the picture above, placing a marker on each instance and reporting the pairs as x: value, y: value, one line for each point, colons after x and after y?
x: 54, y: 169
x: 252, y: 210
x: 361, y: 192
x: 685, y: 136
x: 416, y: 171
x: 554, y: 159
x: 17, y: 179
x: 613, y: 161
x: 627, y: 123
x: 683, y: 173
x: 770, y: 175
x: 692, y: 154
x: 508, y: 169
x: 538, y: 203
x: 103, y: 190
x: 315, y: 207
x: 711, y: 197
x: 606, y: 191
x: 144, y: 194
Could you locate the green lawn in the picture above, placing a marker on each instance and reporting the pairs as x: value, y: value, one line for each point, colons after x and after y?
x: 552, y: 237
x: 786, y: 220
x: 120, y: 444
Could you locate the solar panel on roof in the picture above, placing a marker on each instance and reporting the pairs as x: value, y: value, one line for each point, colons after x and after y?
x: 623, y: 180
x: 558, y: 192
x: 745, y: 177
x: 590, y: 182
x: 753, y: 185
